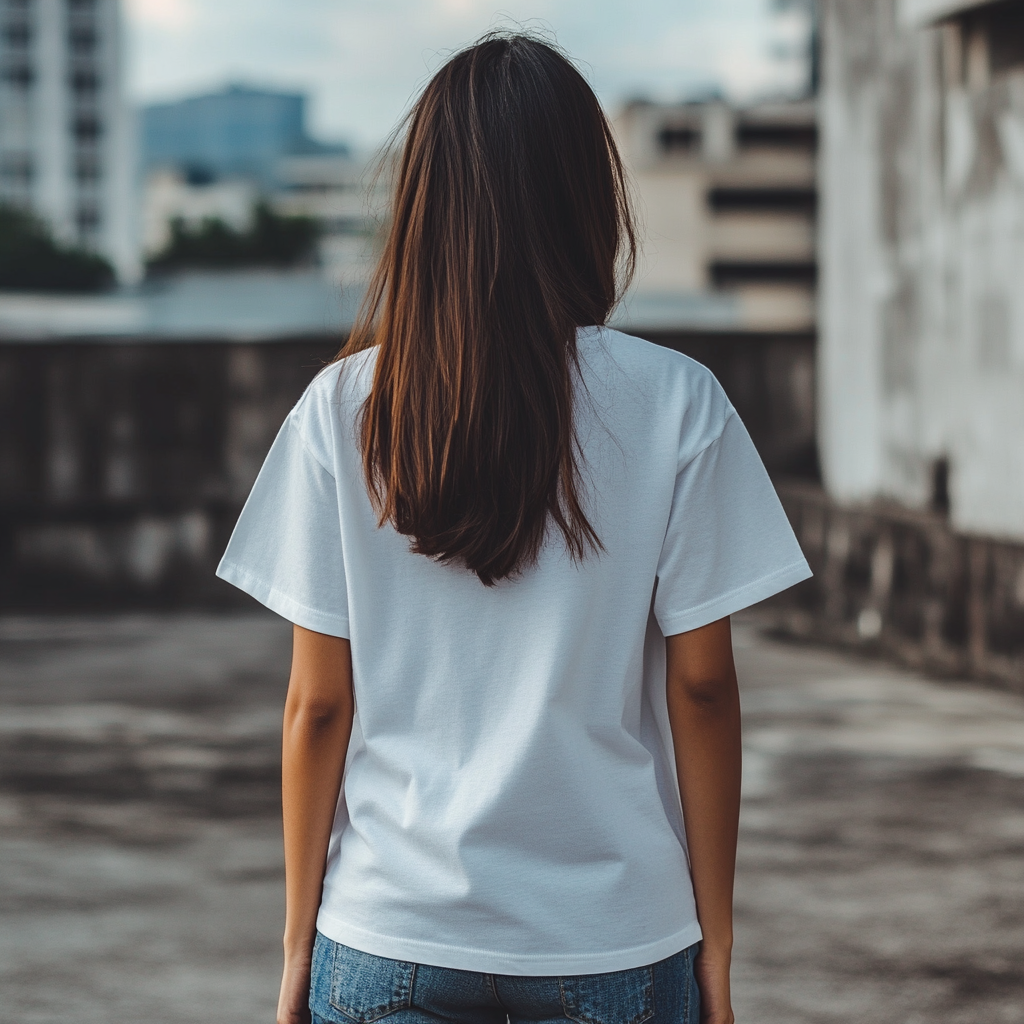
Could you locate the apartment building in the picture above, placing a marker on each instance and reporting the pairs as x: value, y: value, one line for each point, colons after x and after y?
x: 66, y: 148
x: 348, y: 197
x: 727, y: 196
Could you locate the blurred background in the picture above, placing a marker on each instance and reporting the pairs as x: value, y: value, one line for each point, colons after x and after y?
x: 832, y: 197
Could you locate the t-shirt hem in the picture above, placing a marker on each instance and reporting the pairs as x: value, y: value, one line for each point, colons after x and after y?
x: 285, y: 606
x: 736, y: 600
x: 462, y: 958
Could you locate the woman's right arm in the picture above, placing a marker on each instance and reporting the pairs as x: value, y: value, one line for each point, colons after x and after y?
x: 704, y: 711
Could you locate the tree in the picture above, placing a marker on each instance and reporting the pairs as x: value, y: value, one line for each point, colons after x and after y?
x: 30, y: 259
x: 271, y: 241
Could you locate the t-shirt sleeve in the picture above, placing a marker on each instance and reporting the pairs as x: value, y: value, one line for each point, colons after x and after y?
x: 728, y: 543
x: 286, y: 550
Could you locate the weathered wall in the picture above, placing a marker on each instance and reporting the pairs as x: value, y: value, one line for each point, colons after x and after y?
x: 921, y: 361
x: 124, y: 465
x: 902, y: 583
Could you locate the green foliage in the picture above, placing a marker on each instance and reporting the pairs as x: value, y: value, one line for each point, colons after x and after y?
x: 30, y: 259
x: 271, y: 241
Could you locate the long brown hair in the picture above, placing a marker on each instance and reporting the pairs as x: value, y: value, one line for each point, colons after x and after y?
x: 509, y: 220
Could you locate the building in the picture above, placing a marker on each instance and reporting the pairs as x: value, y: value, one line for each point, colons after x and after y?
x: 918, y: 543
x: 347, y: 197
x: 727, y: 197
x: 237, y: 132
x: 168, y: 196
x: 215, y: 156
x: 66, y: 148
x: 921, y: 385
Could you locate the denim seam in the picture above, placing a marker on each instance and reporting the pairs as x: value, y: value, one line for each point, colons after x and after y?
x: 561, y: 998
x: 410, y: 984
x: 650, y: 988
x: 584, y: 1018
x: 401, y: 995
x: 688, y: 990
x: 494, y: 992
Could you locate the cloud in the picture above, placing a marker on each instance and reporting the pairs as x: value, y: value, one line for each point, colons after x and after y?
x: 363, y: 60
x: 172, y: 15
x: 459, y: 7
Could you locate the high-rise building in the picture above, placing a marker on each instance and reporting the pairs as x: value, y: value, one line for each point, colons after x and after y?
x: 66, y: 147
x: 238, y: 131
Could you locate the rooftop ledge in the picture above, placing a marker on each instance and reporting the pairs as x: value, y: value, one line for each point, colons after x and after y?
x: 918, y: 13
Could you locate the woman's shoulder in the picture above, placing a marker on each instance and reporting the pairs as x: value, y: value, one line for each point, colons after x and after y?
x: 656, y: 365
x: 656, y: 385
x: 328, y: 407
x: 342, y: 381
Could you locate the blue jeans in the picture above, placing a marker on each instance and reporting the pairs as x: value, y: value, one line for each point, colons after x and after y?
x: 350, y: 987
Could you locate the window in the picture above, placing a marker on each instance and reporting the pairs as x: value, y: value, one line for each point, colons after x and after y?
x: 763, y: 200
x: 84, y: 83
x: 86, y: 129
x: 678, y: 139
x: 87, y: 171
x: 17, y: 34
x: 20, y: 76
x: 17, y: 169
x: 87, y: 218
x: 730, y: 273
x: 199, y: 174
x: 777, y: 136
x: 82, y: 40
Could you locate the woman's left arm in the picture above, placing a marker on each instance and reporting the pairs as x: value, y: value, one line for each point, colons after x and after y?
x: 317, y: 725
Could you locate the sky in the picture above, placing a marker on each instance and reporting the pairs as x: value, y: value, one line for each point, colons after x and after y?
x: 363, y: 61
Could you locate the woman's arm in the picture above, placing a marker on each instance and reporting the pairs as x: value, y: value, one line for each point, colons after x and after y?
x: 704, y: 711
x: 317, y: 725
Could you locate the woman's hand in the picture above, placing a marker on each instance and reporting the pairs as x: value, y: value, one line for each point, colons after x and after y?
x: 293, y: 1003
x: 712, y: 972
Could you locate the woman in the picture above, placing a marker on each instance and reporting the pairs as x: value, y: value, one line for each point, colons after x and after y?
x: 509, y: 539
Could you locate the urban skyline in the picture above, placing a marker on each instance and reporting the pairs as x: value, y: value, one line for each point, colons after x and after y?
x: 361, y: 62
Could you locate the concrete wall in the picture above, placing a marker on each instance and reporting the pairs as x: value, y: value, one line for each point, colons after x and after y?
x: 894, y: 581
x: 921, y: 362
x: 124, y: 464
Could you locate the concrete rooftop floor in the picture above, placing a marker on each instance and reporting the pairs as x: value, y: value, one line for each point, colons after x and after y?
x: 881, y: 874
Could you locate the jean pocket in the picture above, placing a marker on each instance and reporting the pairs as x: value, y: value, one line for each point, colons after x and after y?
x: 366, y: 988
x: 619, y: 997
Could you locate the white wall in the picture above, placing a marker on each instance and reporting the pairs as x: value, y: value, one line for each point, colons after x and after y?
x: 922, y: 283
x: 167, y: 196
x: 50, y: 140
x: 120, y: 237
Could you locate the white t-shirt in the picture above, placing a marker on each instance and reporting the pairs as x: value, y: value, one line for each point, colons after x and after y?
x: 509, y: 802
